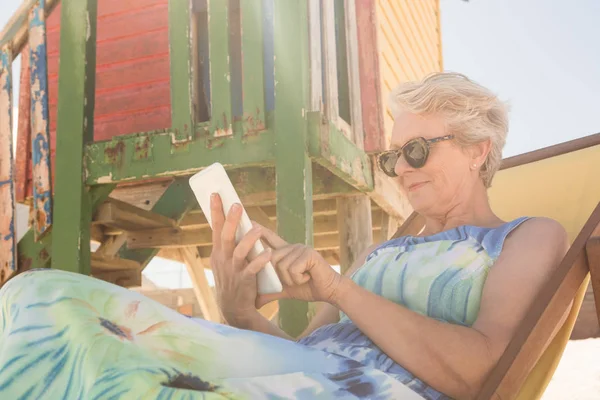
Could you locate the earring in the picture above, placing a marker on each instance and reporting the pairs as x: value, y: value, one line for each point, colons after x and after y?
x: 474, y: 166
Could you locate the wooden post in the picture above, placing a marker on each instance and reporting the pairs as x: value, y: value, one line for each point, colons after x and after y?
x: 180, y: 53
x: 204, y: 295
x: 75, y: 128
x: 355, y: 228
x: 23, y: 157
x: 8, y: 242
x: 40, y: 121
x: 292, y: 164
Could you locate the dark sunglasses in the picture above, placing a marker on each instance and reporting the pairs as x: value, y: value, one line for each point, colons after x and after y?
x: 415, y: 152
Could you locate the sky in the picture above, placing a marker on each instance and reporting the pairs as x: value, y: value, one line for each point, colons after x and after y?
x: 539, y: 55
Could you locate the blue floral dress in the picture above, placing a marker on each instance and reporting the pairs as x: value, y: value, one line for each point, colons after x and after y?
x: 69, y: 336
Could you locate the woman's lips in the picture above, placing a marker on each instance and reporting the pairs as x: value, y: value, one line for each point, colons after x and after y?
x: 415, y: 186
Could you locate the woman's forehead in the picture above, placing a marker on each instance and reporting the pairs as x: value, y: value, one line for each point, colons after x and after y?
x: 408, y: 126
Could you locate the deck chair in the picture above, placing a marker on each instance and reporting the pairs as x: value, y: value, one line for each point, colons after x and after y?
x: 529, y: 361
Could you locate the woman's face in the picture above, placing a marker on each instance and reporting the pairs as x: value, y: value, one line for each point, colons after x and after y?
x: 446, y: 177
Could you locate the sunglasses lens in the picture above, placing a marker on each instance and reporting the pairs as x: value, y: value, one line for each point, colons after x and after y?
x: 387, y: 163
x: 415, y: 152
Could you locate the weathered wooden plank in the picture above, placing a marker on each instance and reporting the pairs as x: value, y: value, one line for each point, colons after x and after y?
x: 38, y: 254
x: 40, y: 124
x: 331, y: 148
x: 23, y: 156
x: 120, y: 215
x: 220, y: 71
x: 330, y: 60
x: 174, y: 204
x: 355, y: 228
x: 149, y: 155
x: 354, y: 74
x: 370, y: 82
x: 204, y: 294
x: 253, y: 90
x: 168, y: 237
x: 8, y: 242
x: 593, y: 255
x: 292, y: 163
x: 72, y: 208
x: 316, y: 54
x: 180, y: 42
x: 103, y: 262
x: 16, y: 32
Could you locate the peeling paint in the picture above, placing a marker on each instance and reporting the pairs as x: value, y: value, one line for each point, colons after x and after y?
x: 8, y: 244
x: 105, y: 179
x: 41, y: 176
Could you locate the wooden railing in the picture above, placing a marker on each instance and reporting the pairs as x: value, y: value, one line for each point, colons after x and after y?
x: 24, y: 34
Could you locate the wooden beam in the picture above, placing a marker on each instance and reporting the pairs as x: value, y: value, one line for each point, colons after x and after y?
x: 165, y: 238
x: 112, y: 244
x: 23, y: 156
x: 124, y: 216
x: 168, y: 237
x: 108, y: 263
x: 8, y: 240
x: 370, y: 84
x: 75, y: 116
x: 40, y: 121
x: 592, y: 249
x: 204, y: 294
x: 355, y: 228
x: 142, y: 195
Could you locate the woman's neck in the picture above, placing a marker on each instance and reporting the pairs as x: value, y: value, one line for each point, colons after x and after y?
x: 473, y: 210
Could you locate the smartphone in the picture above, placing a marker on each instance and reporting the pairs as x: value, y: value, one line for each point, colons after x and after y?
x: 214, y: 179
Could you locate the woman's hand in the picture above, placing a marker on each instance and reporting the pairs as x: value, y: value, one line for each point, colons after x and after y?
x: 235, y: 276
x: 303, y: 272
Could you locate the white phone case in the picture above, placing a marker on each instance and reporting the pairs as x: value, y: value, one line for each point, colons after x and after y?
x: 214, y: 179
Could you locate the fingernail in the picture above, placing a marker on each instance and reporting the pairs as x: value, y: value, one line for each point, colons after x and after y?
x: 236, y: 207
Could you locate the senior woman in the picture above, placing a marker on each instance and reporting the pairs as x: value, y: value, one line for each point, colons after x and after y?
x: 434, y: 310
x: 423, y: 316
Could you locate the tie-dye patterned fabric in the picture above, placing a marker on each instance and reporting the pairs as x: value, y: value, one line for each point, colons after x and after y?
x: 69, y: 336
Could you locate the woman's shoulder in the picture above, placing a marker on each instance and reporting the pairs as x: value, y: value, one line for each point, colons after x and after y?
x: 537, y: 230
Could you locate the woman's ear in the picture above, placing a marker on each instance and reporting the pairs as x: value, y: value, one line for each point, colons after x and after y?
x: 478, y: 152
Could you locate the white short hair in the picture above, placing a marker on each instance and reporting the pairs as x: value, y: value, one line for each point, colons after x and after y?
x: 472, y: 112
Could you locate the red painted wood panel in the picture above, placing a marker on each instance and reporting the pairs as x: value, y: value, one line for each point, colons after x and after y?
x: 370, y: 84
x: 132, y: 69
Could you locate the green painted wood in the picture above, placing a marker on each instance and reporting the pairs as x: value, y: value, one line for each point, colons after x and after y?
x: 253, y: 66
x: 75, y: 127
x: 220, y: 71
x: 177, y: 200
x: 180, y: 40
x: 329, y: 147
x: 292, y: 162
x: 38, y: 254
x: 151, y: 155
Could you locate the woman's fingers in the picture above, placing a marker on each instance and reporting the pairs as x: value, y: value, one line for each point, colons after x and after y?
x: 256, y: 265
x: 229, y: 229
x: 218, y: 219
x: 272, y: 239
x: 283, y: 258
x: 298, y: 271
x: 240, y: 254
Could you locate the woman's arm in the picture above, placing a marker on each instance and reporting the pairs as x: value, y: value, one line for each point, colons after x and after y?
x: 327, y: 313
x: 451, y: 358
